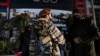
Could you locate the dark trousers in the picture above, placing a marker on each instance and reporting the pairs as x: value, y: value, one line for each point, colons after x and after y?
x: 25, y: 50
x: 83, y: 49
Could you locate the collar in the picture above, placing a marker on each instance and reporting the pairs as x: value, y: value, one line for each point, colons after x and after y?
x: 43, y: 19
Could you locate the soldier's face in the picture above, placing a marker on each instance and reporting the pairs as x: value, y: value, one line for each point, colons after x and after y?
x: 49, y: 16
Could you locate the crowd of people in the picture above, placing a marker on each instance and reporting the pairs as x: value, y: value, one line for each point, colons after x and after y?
x: 81, y: 35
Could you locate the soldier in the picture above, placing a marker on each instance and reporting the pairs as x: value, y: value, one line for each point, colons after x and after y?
x: 49, y: 35
x: 82, y: 34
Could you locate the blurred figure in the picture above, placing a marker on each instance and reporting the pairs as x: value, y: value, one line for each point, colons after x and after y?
x: 6, y: 34
x: 48, y: 34
x: 13, y: 35
x: 25, y: 40
x: 82, y: 34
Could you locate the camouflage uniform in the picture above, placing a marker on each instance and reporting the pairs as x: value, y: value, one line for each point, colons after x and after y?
x: 50, y: 35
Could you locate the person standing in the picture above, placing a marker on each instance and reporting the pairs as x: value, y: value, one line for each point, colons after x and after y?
x: 25, y: 40
x: 82, y: 34
x: 49, y: 35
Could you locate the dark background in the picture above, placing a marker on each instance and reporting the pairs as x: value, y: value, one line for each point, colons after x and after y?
x: 61, y: 4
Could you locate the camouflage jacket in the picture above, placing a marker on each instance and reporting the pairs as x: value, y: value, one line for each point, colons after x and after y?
x: 47, y: 29
x: 49, y: 35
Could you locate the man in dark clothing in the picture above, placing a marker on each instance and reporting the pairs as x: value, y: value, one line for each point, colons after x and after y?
x: 82, y: 34
x: 25, y: 40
